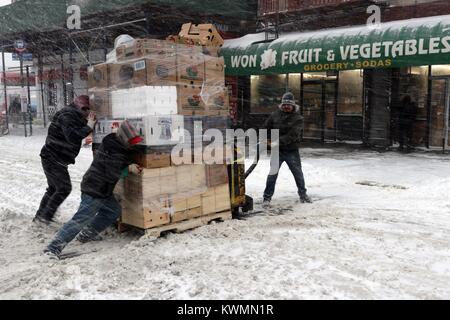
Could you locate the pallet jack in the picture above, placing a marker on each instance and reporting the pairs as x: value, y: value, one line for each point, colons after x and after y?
x: 240, y: 201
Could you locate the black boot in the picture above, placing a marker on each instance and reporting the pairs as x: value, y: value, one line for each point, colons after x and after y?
x: 304, y: 198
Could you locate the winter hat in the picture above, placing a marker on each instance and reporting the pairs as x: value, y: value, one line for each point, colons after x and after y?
x: 288, y: 98
x: 81, y: 102
x: 127, y: 134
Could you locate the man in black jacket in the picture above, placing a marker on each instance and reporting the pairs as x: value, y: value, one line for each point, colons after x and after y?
x: 66, y: 132
x: 99, y: 208
x: 289, y: 122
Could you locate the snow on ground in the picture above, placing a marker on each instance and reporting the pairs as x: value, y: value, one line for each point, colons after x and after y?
x: 378, y: 229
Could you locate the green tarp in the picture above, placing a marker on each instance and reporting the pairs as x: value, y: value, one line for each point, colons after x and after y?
x: 404, y: 43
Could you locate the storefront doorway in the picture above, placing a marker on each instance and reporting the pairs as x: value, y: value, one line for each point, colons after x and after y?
x: 439, y: 112
x: 319, y: 105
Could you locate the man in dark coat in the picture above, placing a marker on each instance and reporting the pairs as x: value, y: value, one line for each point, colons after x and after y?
x: 407, y: 116
x: 99, y: 208
x: 289, y: 122
x: 66, y: 132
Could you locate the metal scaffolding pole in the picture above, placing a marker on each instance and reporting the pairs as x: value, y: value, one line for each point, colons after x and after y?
x: 29, y: 101
x: 22, y: 83
x: 5, y: 90
x: 41, y: 80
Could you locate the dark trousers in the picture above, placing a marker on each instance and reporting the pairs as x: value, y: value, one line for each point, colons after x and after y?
x: 59, y: 188
x: 405, y: 134
x: 93, y: 216
x: 292, y: 158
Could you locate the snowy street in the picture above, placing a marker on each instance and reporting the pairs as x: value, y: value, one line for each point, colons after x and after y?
x: 379, y: 228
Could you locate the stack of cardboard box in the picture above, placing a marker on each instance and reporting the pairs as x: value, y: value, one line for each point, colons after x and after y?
x: 165, y: 87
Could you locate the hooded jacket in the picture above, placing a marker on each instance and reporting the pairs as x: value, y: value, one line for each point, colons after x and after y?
x: 65, y: 135
x: 290, y: 125
x: 111, y: 159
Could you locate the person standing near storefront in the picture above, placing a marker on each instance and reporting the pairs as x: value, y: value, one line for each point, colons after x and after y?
x: 67, y: 130
x: 407, y: 116
x: 288, y: 120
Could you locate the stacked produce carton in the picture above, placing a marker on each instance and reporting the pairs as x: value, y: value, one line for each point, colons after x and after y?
x: 167, y: 89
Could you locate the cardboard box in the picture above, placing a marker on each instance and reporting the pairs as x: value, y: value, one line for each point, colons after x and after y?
x: 222, y: 198
x: 140, y: 48
x: 216, y: 199
x: 151, y: 183
x: 163, y: 130
x: 206, y: 34
x: 190, y: 179
x: 145, y: 214
x: 216, y: 99
x: 153, y: 160
x: 185, y: 203
x: 186, y: 214
x: 144, y: 101
x: 100, y: 103
x: 216, y: 174
x: 190, y: 101
x: 98, y: 76
x: 214, y: 71
x: 212, y: 51
x: 190, y: 65
x: 128, y: 74
x: 161, y: 70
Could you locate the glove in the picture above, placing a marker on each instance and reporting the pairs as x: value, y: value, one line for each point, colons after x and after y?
x: 134, y: 168
x: 92, y: 120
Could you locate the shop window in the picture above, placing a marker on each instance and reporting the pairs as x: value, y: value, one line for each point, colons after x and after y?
x: 266, y: 92
x: 294, y: 84
x: 330, y: 75
x: 415, y: 84
x: 350, y: 92
x: 440, y: 70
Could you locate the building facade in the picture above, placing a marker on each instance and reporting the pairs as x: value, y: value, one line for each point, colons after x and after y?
x: 340, y: 102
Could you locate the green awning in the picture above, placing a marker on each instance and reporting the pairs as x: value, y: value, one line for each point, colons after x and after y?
x: 413, y: 42
x: 49, y: 15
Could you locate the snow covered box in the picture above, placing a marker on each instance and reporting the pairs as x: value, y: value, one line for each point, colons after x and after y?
x: 144, y: 101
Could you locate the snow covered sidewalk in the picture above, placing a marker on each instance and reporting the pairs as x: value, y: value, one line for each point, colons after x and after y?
x: 379, y: 229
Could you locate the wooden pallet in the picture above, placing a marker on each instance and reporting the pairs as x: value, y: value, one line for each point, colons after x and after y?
x: 182, y: 225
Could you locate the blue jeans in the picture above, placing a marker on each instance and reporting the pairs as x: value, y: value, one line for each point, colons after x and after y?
x: 292, y: 158
x: 93, y: 216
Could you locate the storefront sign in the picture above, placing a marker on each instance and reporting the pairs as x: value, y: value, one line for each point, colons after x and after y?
x: 397, y: 44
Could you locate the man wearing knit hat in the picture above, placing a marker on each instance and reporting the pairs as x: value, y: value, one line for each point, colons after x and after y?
x: 99, y: 208
x: 289, y: 122
x: 66, y: 132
